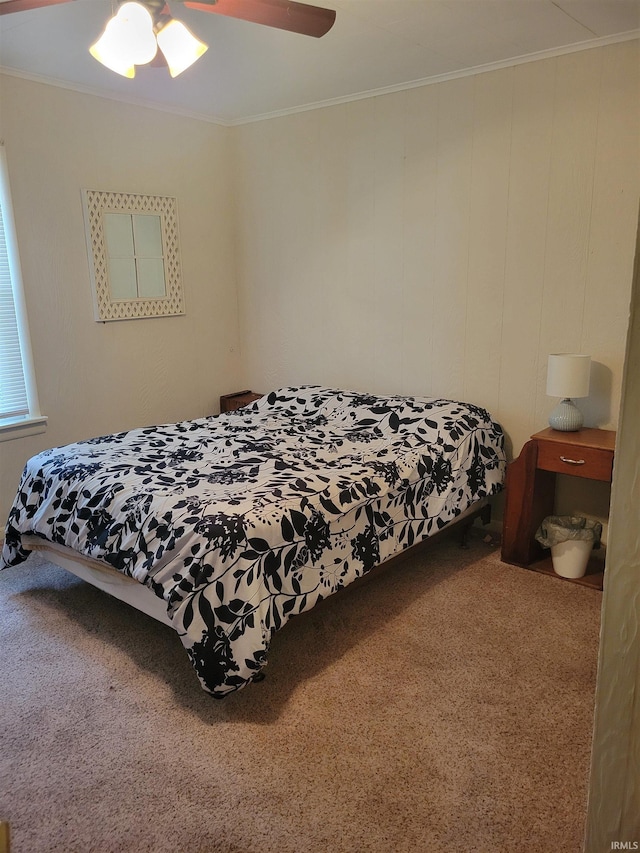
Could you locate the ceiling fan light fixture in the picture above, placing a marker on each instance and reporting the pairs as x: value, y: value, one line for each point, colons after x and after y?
x: 179, y: 46
x: 107, y: 51
x: 128, y: 40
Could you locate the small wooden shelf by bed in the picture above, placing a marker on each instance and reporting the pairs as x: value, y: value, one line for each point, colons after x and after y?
x: 231, y: 402
x: 530, y: 492
x: 593, y: 577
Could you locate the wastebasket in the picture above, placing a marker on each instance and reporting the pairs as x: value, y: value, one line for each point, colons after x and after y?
x: 571, y: 539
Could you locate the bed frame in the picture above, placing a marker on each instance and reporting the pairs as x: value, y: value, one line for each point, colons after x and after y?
x: 137, y: 595
x: 104, y: 577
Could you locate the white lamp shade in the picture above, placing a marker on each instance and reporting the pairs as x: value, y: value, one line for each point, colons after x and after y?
x: 128, y: 40
x: 568, y: 375
x: 180, y: 47
x: 107, y: 51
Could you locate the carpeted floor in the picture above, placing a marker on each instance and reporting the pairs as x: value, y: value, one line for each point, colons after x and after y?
x: 442, y: 704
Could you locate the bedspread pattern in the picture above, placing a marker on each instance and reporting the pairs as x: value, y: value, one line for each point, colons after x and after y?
x: 243, y: 520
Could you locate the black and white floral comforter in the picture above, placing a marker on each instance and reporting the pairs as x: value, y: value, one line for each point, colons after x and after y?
x: 243, y: 520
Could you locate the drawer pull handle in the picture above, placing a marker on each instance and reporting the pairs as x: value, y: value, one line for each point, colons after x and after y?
x: 572, y: 461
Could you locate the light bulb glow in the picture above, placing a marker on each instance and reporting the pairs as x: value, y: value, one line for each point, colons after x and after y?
x: 128, y: 40
x: 179, y: 46
x: 107, y: 51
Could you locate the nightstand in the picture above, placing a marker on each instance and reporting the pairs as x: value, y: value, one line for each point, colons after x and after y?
x: 231, y: 402
x: 530, y: 491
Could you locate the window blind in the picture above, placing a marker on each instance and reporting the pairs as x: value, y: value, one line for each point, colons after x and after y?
x: 13, y: 391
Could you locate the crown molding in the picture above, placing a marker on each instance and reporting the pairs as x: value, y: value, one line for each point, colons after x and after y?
x: 112, y: 96
x: 551, y: 53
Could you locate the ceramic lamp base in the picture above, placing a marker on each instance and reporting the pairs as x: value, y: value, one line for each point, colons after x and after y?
x: 566, y: 416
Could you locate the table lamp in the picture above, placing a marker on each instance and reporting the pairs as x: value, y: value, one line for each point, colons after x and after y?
x: 567, y: 376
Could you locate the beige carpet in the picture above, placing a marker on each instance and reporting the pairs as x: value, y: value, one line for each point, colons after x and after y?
x: 443, y: 704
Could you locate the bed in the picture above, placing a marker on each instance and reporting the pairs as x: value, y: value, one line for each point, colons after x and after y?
x: 226, y: 527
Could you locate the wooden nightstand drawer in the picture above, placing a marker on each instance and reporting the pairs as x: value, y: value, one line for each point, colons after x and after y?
x: 231, y: 402
x: 590, y: 462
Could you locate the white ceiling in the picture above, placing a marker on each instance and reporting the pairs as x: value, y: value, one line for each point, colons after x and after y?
x: 251, y: 71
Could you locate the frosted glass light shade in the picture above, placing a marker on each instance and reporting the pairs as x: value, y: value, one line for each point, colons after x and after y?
x: 107, y: 51
x: 180, y: 47
x: 568, y: 375
x: 128, y: 40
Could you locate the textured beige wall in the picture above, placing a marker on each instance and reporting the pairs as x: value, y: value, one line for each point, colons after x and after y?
x: 95, y: 378
x: 443, y: 240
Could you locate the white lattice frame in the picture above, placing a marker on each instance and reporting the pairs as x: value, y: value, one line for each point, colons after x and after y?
x: 96, y: 204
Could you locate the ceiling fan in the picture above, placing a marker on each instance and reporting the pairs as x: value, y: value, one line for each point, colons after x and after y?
x: 144, y: 32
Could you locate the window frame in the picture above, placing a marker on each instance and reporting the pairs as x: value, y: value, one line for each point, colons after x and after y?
x: 97, y: 203
x: 33, y: 422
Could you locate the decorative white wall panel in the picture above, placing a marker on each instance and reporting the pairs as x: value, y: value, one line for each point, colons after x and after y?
x: 97, y: 206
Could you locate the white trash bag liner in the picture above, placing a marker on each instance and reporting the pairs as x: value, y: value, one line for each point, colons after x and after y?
x: 571, y: 539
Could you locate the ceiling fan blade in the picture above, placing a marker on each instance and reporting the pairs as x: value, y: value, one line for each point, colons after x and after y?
x: 283, y: 14
x: 24, y: 5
